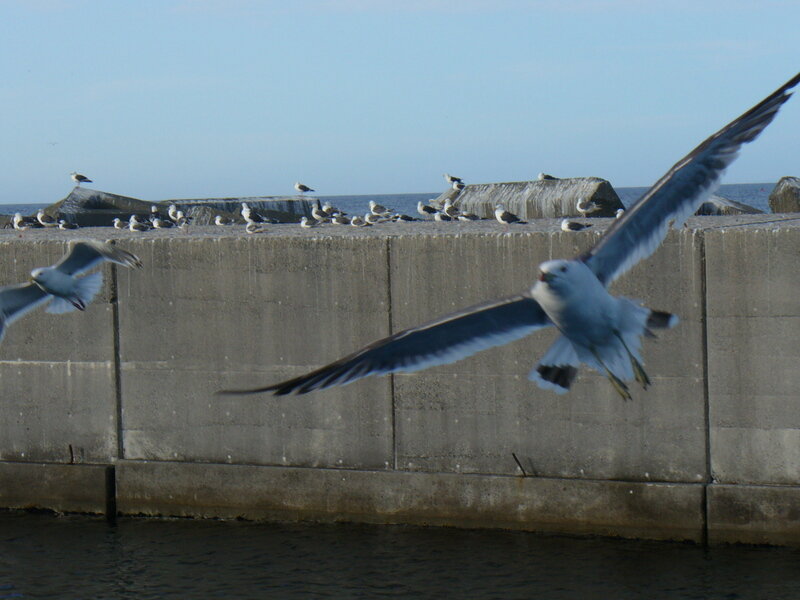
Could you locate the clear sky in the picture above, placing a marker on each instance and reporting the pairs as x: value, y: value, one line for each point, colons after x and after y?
x: 177, y: 99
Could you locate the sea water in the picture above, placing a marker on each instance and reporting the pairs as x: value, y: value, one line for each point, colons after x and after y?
x: 46, y: 556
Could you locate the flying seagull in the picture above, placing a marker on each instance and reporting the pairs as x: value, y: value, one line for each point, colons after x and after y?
x: 597, y: 329
x: 302, y: 188
x: 79, y: 179
x: 61, y: 284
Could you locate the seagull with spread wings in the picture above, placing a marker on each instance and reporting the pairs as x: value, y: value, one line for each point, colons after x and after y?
x: 597, y: 329
x: 60, y: 284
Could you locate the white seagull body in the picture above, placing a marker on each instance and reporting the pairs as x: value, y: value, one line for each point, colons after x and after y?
x: 79, y: 179
x: 425, y: 209
x: 586, y: 207
x: 45, y: 220
x: 61, y: 284
x: 118, y: 223
x: 505, y: 217
x: 19, y: 222
x: 451, y: 179
x: 302, y: 188
x: 567, y: 225
x: 597, y: 329
x: 379, y: 210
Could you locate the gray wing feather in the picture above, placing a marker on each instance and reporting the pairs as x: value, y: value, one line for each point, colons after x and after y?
x: 679, y: 193
x: 85, y: 255
x: 17, y: 300
x: 445, y: 340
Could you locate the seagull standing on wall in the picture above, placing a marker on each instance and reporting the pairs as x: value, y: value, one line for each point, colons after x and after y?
x: 451, y: 179
x: 597, y: 329
x: 302, y: 188
x: 79, y: 179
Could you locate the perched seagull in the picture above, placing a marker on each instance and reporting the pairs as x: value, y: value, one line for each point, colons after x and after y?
x: 451, y: 179
x: 45, y: 220
x: 468, y: 217
x: 505, y: 217
x: 357, y: 221
x: 62, y: 224
x: 79, y: 179
x: 307, y: 224
x: 135, y: 225
x: 440, y: 216
x: 567, y: 225
x: 546, y: 177
x: 329, y: 209
x: 450, y: 210
x: 302, y: 188
x: 248, y: 214
x: 458, y: 186
x: 118, y: 223
x: 619, y: 213
x: 379, y: 210
x: 398, y: 218
x: 19, y: 222
x: 253, y: 227
x: 319, y: 213
x: 597, y: 329
x: 61, y: 284
x: 586, y: 207
x: 340, y: 219
x: 373, y: 219
x: 222, y: 221
x: 425, y: 209
x: 159, y: 223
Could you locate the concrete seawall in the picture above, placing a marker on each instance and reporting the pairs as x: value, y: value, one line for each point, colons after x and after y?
x: 113, y: 409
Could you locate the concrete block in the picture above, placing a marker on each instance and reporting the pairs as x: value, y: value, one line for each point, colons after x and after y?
x: 753, y: 328
x: 749, y: 514
x: 61, y: 488
x: 470, y: 416
x: 654, y: 511
x: 247, y: 311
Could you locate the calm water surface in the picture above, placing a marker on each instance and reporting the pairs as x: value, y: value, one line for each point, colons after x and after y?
x: 45, y: 556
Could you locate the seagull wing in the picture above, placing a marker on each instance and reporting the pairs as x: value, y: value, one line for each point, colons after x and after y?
x: 679, y: 193
x: 17, y: 300
x: 445, y: 340
x: 85, y: 255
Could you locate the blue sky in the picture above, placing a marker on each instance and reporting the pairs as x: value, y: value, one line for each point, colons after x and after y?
x: 178, y: 99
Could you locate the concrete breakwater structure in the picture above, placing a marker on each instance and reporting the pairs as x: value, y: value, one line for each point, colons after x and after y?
x: 112, y: 410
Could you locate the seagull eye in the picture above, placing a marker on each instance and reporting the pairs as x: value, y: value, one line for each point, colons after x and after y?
x: 564, y: 269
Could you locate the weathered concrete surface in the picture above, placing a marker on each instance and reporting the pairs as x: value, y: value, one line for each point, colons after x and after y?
x: 750, y: 514
x: 547, y: 199
x: 57, y: 370
x: 717, y: 205
x: 656, y: 511
x: 471, y: 415
x: 208, y: 314
x: 753, y: 352
x: 62, y: 488
x: 785, y: 196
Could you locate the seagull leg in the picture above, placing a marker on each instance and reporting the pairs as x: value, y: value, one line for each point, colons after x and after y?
x: 638, y: 369
x: 618, y: 384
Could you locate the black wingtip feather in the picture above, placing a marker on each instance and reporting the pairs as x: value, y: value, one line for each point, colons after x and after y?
x: 562, y: 376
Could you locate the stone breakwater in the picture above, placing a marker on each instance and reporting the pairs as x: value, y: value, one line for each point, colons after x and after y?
x: 112, y: 410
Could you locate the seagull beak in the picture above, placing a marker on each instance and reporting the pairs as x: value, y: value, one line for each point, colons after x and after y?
x: 546, y: 277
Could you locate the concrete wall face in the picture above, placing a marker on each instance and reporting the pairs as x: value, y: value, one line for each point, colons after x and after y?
x: 239, y: 312
x: 213, y: 311
x: 754, y: 353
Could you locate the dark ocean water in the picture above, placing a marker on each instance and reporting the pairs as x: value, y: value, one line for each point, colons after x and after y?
x: 754, y: 194
x: 44, y: 556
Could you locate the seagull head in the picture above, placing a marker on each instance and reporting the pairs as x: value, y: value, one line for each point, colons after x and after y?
x: 561, y: 275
